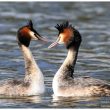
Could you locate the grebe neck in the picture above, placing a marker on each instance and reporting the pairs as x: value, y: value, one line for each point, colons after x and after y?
x: 31, y: 68
x: 67, y: 68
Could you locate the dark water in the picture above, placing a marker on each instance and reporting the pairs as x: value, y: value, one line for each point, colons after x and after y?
x: 93, y: 22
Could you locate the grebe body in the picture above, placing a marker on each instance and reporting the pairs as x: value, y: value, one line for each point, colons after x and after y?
x: 33, y: 82
x: 64, y: 82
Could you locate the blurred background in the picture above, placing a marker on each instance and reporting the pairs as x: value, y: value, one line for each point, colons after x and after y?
x: 91, y: 19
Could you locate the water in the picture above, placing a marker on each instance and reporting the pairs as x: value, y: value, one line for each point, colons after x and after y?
x: 91, y: 19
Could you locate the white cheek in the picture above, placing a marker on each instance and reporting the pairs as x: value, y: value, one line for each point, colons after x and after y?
x: 61, y: 39
x: 33, y: 37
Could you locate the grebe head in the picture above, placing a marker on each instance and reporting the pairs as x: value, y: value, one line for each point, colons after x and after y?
x: 28, y: 33
x: 67, y: 35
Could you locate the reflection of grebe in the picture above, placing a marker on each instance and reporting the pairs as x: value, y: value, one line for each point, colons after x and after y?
x: 33, y: 82
x: 64, y: 83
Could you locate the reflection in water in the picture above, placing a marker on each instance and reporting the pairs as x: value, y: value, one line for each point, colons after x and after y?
x: 32, y: 99
x: 19, y: 101
x: 79, y: 102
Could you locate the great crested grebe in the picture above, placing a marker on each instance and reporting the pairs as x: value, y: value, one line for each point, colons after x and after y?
x: 33, y: 82
x: 64, y: 82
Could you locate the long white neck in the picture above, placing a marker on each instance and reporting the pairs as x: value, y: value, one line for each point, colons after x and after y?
x: 30, y: 65
x: 67, y: 68
x: 33, y: 74
x: 65, y: 73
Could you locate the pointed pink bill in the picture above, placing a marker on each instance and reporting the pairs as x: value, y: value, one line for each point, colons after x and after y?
x: 55, y: 43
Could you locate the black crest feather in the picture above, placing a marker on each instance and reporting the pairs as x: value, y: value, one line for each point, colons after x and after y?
x: 63, y: 26
x: 30, y: 23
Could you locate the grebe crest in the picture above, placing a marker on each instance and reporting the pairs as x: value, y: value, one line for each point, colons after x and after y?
x: 27, y: 33
x: 67, y: 35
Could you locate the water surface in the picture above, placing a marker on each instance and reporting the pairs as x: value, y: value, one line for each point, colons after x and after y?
x: 93, y: 22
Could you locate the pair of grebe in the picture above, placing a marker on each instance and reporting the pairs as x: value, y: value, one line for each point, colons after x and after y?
x: 64, y: 82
